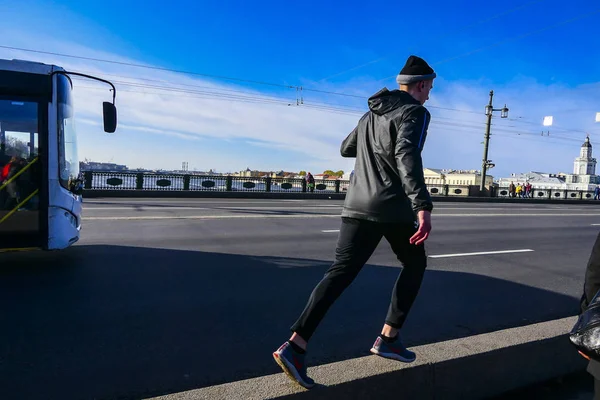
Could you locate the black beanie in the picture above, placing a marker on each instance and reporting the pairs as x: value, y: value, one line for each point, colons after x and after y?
x: 415, y: 70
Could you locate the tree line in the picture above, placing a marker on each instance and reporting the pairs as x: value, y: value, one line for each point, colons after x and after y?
x: 328, y: 172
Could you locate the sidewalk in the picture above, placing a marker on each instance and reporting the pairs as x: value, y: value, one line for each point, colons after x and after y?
x: 485, y: 364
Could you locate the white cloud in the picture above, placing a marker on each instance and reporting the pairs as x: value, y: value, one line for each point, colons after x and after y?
x: 204, y: 112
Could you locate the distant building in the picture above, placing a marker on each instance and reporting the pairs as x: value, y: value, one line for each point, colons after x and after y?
x: 434, y: 177
x: 539, y: 180
x: 440, y: 177
x: 100, y: 166
x: 583, y: 177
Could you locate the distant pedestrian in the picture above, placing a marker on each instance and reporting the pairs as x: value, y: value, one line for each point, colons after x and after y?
x: 387, y: 198
x: 310, y: 182
x: 519, y: 190
x: 528, y: 190
x: 597, y: 193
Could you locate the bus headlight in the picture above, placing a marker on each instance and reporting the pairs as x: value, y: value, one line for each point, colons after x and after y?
x: 72, y: 219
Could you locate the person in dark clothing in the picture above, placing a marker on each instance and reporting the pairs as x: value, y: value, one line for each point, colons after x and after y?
x: 590, y: 288
x: 387, y: 198
x: 310, y: 182
x: 10, y: 199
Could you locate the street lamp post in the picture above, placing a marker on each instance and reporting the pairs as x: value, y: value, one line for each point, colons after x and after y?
x: 489, y: 110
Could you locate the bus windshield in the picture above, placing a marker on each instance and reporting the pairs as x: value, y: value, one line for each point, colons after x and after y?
x: 67, y: 136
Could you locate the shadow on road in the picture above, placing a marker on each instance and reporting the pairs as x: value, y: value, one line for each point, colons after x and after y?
x: 124, y: 322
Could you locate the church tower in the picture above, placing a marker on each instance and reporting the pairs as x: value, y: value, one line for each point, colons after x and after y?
x: 585, y: 164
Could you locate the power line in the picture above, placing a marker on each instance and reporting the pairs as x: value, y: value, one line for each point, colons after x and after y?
x: 292, y: 86
x: 148, y: 67
x: 208, y: 75
x: 452, y: 126
x: 214, y: 76
x: 319, y: 106
x: 218, y: 92
x: 249, y: 97
x: 241, y: 91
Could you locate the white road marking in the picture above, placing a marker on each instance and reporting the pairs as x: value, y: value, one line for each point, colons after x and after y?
x: 517, y: 215
x: 480, y: 253
x: 190, y: 200
x: 330, y: 230
x: 209, y: 217
x: 135, y: 208
x: 513, y: 208
x: 241, y: 207
x: 116, y: 218
x: 279, y: 208
x: 595, y: 224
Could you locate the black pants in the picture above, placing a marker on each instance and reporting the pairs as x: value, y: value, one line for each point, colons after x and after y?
x: 357, y: 241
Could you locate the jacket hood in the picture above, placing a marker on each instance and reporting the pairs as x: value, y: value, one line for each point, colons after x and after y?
x: 385, y: 101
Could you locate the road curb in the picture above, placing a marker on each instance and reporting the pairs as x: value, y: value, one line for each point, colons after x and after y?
x: 475, y: 367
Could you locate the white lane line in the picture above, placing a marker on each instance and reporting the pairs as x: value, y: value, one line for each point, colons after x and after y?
x: 209, y: 217
x: 146, y: 208
x: 512, y: 208
x: 480, y: 253
x: 595, y: 224
x: 241, y: 207
x: 309, y: 207
x: 517, y: 215
x: 330, y: 230
x: 197, y: 201
x: 319, y: 216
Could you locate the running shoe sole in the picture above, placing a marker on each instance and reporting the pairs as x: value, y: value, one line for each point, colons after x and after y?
x: 392, y: 356
x: 290, y: 371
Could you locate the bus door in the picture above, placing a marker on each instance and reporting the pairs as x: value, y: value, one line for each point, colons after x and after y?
x: 23, y: 221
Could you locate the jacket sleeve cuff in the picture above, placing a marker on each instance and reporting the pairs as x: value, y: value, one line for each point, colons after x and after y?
x: 423, y: 207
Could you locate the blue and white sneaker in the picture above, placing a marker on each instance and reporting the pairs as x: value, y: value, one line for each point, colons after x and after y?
x: 394, y: 350
x: 293, y: 365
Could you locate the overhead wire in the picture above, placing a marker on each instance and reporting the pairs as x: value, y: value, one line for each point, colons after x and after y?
x: 444, y: 126
x: 218, y: 93
x: 251, y: 81
x: 186, y: 85
x: 319, y: 106
x: 304, y: 89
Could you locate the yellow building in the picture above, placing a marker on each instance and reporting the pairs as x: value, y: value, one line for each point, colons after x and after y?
x: 439, y: 177
x: 433, y: 177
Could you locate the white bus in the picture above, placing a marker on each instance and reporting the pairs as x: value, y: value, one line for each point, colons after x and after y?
x: 40, y: 181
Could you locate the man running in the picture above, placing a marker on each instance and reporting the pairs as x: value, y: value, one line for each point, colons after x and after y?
x: 387, y: 198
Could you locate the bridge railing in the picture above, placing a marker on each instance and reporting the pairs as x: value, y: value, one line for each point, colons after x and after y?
x: 105, y: 180
x: 558, y: 194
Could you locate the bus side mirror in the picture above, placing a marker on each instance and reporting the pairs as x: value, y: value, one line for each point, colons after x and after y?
x: 110, y: 117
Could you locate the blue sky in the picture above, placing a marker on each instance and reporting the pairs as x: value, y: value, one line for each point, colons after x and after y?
x: 317, y: 45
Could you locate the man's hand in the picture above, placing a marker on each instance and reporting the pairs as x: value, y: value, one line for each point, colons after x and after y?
x: 422, y: 234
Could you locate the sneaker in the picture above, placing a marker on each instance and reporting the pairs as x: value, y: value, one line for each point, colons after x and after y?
x: 293, y: 365
x: 394, y: 350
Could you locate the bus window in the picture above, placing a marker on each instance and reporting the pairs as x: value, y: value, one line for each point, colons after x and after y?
x: 19, y: 170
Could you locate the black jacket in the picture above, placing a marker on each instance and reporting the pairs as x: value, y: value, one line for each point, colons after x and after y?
x: 388, y: 183
x: 590, y: 288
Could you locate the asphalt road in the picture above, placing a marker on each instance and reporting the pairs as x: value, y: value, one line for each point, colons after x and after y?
x: 161, y: 296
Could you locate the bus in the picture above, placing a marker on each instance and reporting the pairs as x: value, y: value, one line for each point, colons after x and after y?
x: 40, y: 183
